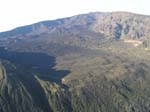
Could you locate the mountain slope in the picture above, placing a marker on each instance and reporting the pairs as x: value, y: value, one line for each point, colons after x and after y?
x: 91, y: 62
x: 116, y: 24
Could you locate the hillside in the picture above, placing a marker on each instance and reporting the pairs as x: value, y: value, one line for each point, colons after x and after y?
x: 96, y: 62
x: 122, y: 25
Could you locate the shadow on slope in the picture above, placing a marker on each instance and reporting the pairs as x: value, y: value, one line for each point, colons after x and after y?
x: 36, y: 62
x: 30, y: 64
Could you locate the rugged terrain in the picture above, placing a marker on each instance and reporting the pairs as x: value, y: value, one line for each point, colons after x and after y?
x: 96, y: 62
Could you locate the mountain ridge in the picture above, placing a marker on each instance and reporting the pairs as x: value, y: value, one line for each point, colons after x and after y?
x: 112, y: 24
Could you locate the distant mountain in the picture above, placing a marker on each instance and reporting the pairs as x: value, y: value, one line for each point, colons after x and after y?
x: 122, y: 25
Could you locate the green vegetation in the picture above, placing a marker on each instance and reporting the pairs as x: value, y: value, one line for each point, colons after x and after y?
x: 95, y: 81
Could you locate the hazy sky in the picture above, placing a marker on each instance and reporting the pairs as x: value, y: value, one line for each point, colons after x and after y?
x: 15, y: 13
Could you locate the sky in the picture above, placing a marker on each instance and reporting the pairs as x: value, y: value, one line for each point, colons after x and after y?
x: 14, y: 13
